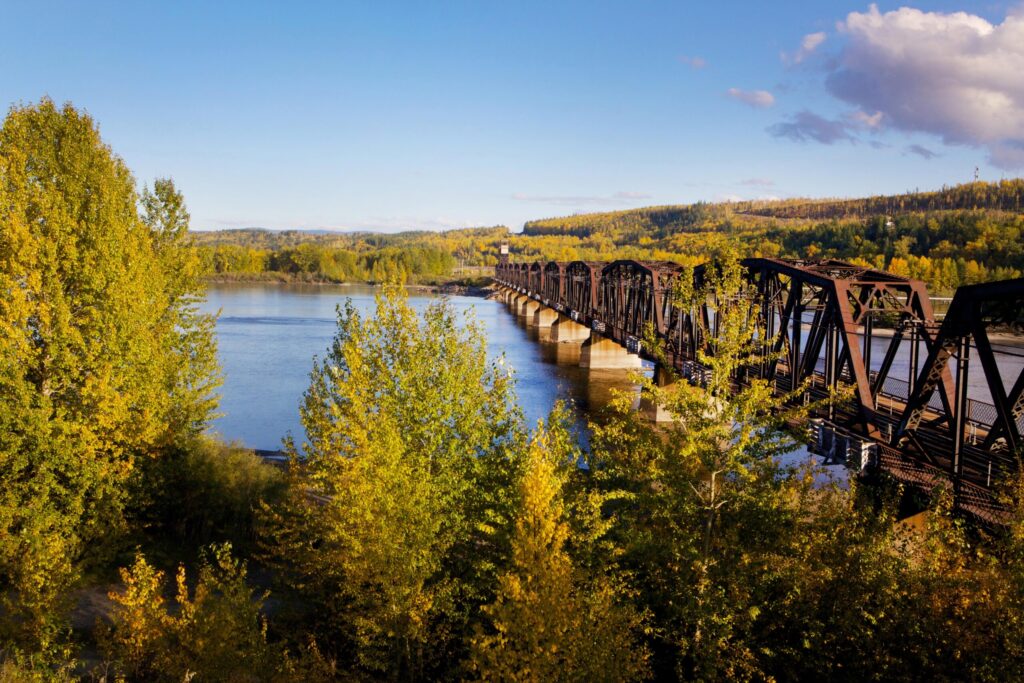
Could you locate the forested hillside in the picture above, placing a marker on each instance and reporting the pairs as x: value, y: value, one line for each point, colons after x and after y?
x: 960, y: 235
x: 660, y: 221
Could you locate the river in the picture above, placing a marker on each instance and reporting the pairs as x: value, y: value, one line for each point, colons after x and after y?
x: 268, y: 334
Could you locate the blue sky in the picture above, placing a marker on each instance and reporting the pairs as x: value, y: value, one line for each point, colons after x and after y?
x: 374, y: 115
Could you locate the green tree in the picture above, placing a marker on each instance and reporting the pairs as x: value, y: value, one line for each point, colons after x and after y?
x: 193, y: 373
x: 411, y: 433
x: 93, y: 329
x: 704, y: 495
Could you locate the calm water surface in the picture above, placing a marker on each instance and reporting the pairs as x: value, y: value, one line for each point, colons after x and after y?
x: 268, y: 334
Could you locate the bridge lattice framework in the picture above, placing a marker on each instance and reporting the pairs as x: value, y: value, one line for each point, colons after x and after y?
x: 820, y: 319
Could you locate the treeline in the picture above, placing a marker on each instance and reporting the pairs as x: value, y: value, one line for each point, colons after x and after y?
x: 315, y: 261
x: 412, y: 257
x: 661, y: 221
x: 654, y: 222
x: 944, y: 249
x: 272, y: 240
x: 960, y: 235
x: 1006, y: 195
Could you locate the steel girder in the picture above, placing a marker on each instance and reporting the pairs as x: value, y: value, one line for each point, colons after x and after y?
x: 553, y: 291
x: 842, y: 299
x: 535, y: 278
x: 519, y: 274
x: 637, y: 294
x: 582, y: 283
x: 975, y: 309
x: 818, y: 319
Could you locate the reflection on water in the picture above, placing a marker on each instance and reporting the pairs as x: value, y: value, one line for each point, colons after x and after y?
x: 268, y: 334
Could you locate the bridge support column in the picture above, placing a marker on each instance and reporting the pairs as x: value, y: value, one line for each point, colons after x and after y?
x: 650, y: 409
x: 565, y: 329
x: 527, y: 309
x: 516, y: 302
x: 544, y: 317
x: 601, y: 353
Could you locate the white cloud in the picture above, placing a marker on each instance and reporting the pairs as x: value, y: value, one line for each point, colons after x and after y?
x: 956, y: 76
x: 755, y: 98
x: 810, y: 43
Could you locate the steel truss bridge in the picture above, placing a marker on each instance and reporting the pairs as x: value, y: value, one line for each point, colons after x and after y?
x: 819, y: 319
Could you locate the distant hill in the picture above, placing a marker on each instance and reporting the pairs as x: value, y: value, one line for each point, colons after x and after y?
x: 662, y: 221
x: 263, y: 238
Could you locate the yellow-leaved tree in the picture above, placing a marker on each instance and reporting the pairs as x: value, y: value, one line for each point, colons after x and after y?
x: 550, y: 621
x: 215, y: 631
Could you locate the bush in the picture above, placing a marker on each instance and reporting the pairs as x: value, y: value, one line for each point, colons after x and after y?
x: 216, y: 632
x: 206, y: 491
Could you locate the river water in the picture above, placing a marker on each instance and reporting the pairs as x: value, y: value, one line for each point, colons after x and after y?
x: 268, y: 334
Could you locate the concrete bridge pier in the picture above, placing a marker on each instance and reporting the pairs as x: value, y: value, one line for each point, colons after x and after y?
x: 516, y: 302
x: 565, y: 329
x: 527, y: 309
x: 544, y: 317
x: 651, y: 410
x: 601, y: 353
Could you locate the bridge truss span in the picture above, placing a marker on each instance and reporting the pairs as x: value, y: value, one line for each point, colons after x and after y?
x: 828, y: 325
